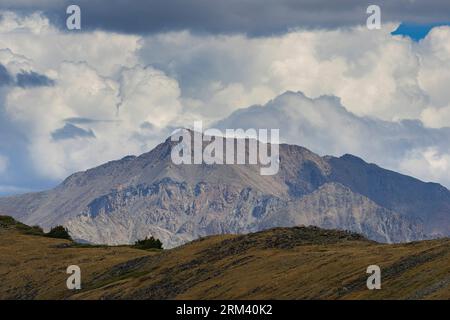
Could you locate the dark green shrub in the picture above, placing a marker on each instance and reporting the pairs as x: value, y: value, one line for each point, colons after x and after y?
x: 7, y: 221
x: 59, y: 232
x: 148, y: 243
x: 34, y: 230
x: 11, y: 223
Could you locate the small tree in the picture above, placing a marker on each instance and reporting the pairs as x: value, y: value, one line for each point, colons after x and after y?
x: 59, y: 232
x: 148, y: 243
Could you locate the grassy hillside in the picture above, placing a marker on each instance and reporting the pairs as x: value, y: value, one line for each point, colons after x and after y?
x: 282, y: 263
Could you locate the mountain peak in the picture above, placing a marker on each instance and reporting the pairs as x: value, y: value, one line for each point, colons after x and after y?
x: 135, y: 197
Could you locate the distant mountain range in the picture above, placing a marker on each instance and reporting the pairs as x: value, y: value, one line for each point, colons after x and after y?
x: 131, y: 198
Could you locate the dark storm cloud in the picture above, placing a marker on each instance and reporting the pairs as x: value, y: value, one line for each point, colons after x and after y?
x: 253, y: 17
x: 24, y: 79
x: 5, y: 77
x: 33, y: 79
x: 70, y: 131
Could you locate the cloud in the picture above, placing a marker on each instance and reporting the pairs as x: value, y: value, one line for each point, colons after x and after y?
x: 231, y: 16
x: 23, y: 78
x: 433, y: 76
x: 32, y: 39
x: 33, y: 79
x: 70, y: 131
x: 323, y: 125
x: 428, y: 163
x: 104, y: 95
x: 374, y: 73
x: 35, y: 22
x: 5, y: 77
x: 58, y: 148
x: 148, y: 95
x: 69, y: 107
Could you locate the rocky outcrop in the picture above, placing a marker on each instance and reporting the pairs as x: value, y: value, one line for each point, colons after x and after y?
x: 177, y: 213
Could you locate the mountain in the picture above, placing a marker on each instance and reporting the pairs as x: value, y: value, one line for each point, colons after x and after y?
x: 135, y: 197
x: 279, y: 263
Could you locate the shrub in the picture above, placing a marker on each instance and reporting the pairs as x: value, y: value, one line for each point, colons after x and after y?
x: 7, y: 221
x: 59, y: 232
x: 34, y: 230
x: 148, y: 243
x: 10, y: 223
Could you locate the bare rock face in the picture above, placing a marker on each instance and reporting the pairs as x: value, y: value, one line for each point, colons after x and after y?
x: 129, y: 199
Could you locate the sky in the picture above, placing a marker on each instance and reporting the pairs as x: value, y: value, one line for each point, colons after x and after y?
x: 74, y: 99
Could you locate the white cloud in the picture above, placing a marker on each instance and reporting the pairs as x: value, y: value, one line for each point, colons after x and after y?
x: 434, y: 77
x: 35, y: 23
x: 123, y: 106
x: 14, y: 63
x: 374, y: 73
x: 32, y: 36
x: 148, y: 95
x: 428, y: 164
x: 115, y: 111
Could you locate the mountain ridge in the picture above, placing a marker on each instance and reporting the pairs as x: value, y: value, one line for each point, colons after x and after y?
x: 190, y: 201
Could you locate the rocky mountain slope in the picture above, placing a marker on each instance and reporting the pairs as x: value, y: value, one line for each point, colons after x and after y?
x: 134, y: 197
x: 280, y: 263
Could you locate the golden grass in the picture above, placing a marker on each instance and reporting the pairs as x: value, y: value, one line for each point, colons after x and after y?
x: 257, y: 266
x: 33, y: 267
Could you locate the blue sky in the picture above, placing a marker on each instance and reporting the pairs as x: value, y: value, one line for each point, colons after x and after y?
x: 71, y: 100
x: 416, y: 31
